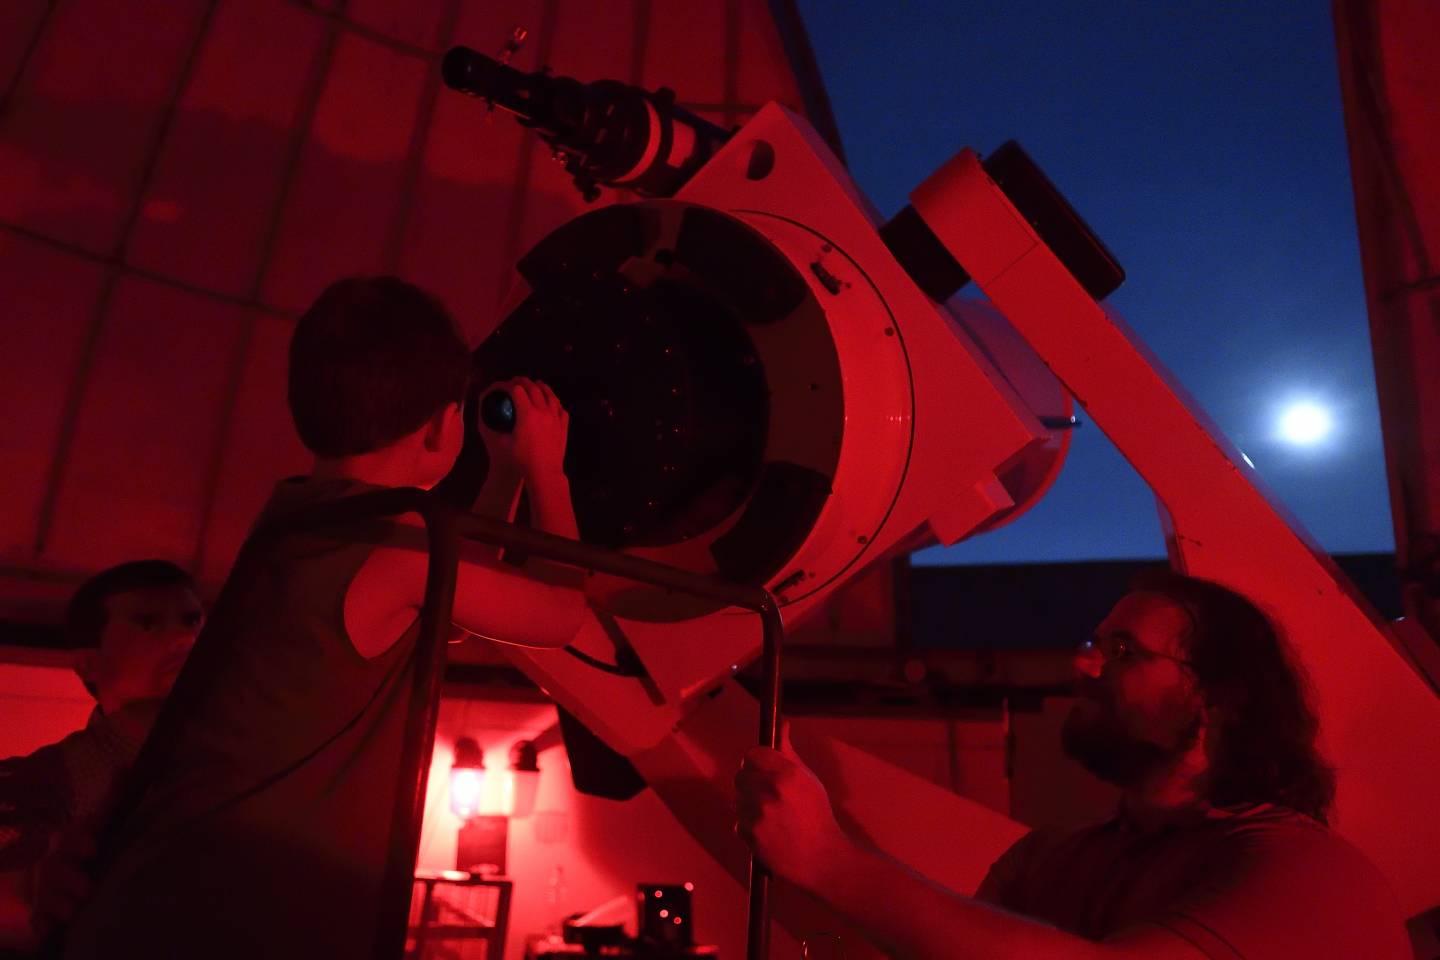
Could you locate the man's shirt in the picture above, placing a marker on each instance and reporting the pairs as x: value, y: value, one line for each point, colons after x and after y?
x: 1253, y: 883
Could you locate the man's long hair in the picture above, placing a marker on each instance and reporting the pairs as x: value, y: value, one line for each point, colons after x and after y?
x: 1266, y: 750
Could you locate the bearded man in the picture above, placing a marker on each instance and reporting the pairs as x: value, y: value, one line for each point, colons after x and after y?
x: 1188, y: 702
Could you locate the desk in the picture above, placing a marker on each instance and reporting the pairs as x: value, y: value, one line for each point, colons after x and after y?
x: 466, y: 912
x: 554, y: 948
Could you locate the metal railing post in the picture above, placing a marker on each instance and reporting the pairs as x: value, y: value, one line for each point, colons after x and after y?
x: 757, y: 937
x: 408, y: 816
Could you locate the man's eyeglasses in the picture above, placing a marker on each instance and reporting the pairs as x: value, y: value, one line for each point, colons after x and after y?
x: 1120, y: 646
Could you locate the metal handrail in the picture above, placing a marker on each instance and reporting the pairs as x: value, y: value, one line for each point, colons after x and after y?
x: 445, y: 527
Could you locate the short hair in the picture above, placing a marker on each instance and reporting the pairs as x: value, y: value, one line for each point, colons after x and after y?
x: 370, y: 361
x: 85, y: 615
x: 1266, y: 748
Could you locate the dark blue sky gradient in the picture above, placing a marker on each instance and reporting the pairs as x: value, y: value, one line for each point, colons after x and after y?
x: 1206, y: 146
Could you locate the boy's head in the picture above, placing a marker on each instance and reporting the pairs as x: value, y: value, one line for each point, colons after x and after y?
x: 374, y: 361
x: 136, y: 624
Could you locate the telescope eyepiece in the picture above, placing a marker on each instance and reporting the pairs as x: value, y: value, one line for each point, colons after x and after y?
x: 532, y: 97
x: 497, y: 411
x: 607, y: 132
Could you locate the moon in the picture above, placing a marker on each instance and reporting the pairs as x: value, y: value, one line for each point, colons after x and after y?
x: 1305, y: 423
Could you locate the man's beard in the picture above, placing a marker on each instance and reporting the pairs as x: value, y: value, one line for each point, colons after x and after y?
x: 1102, y: 743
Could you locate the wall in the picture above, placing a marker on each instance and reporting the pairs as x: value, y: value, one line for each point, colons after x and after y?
x: 39, y: 704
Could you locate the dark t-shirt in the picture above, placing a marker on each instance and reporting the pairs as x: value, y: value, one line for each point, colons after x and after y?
x: 265, y: 828
x: 1253, y: 883
x: 68, y: 781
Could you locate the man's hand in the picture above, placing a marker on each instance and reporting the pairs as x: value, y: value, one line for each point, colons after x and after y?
x: 541, y: 429
x: 785, y: 817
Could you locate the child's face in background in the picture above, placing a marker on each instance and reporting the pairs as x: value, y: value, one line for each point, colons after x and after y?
x: 147, y: 636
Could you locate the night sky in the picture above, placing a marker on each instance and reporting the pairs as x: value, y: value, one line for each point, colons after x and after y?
x: 1206, y: 146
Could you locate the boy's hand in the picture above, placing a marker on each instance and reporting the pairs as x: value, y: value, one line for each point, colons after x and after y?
x: 541, y: 429
x: 62, y: 883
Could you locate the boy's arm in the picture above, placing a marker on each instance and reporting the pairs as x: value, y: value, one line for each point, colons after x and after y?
x: 496, y: 602
x: 491, y: 601
x: 546, y: 608
x: 542, y: 429
x: 537, y: 449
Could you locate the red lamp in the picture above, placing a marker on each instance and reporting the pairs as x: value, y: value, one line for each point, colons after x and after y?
x: 467, y: 778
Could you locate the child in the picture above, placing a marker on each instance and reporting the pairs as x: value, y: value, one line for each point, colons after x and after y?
x: 135, y: 624
x: 264, y: 831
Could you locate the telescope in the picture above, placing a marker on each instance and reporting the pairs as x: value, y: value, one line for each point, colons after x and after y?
x: 607, y: 133
x: 765, y: 384
x: 742, y: 389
